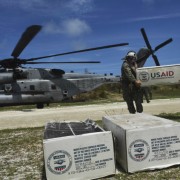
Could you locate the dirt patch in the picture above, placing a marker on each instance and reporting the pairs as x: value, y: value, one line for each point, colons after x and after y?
x: 37, y: 117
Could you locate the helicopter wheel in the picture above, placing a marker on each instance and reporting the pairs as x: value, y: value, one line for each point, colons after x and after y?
x: 40, y: 106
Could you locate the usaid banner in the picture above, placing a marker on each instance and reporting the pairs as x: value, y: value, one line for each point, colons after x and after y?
x: 159, y: 75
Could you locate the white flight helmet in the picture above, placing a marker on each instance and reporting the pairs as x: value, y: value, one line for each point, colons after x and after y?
x: 131, y: 54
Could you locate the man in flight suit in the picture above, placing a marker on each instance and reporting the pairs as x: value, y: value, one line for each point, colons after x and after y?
x: 131, y: 87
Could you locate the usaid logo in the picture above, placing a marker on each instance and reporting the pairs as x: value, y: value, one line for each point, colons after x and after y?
x: 139, y: 150
x: 144, y: 76
x: 59, y: 162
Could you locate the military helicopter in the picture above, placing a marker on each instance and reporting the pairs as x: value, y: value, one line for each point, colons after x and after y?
x: 155, y: 75
x: 20, y: 86
x: 144, y: 53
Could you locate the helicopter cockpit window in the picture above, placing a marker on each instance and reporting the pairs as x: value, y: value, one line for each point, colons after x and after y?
x: 32, y: 87
x: 57, y: 72
x: 19, y: 74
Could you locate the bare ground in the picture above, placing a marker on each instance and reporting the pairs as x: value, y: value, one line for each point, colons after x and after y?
x: 39, y: 117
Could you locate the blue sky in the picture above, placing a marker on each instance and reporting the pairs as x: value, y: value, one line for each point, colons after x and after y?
x: 70, y: 25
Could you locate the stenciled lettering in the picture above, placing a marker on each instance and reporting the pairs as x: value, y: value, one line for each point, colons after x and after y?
x: 164, y: 74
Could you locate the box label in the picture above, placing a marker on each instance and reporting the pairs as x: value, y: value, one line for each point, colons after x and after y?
x: 162, y: 148
x: 84, y: 158
x: 158, y: 151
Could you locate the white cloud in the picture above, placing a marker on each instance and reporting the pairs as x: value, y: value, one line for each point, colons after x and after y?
x: 24, y: 4
x: 32, y: 4
x: 71, y: 27
x: 80, y: 6
x: 52, y: 28
x: 165, y: 16
x: 76, y: 27
x: 47, y: 7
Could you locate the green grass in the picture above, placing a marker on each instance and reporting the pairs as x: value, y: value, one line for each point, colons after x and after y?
x: 163, y: 92
x: 21, y: 153
x: 172, y: 116
x: 21, y: 156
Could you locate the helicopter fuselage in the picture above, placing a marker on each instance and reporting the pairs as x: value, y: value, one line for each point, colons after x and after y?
x: 44, y: 86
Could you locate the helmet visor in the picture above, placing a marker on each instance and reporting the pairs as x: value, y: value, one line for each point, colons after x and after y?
x: 131, y: 58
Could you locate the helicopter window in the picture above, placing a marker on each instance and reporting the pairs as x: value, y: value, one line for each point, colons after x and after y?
x: 32, y: 87
x: 53, y: 86
x: 65, y: 93
x: 8, y: 88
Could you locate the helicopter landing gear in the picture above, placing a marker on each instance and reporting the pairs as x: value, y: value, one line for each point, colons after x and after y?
x: 40, y: 106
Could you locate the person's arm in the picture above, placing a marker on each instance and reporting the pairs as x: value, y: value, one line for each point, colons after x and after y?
x: 130, y: 76
x: 128, y: 73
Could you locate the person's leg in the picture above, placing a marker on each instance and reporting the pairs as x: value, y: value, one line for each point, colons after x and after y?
x: 146, y: 95
x: 131, y: 107
x: 127, y: 96
x: 139, y: 107
x: 138, y: 101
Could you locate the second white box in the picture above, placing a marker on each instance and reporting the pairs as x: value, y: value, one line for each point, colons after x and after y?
x: 144, y: 142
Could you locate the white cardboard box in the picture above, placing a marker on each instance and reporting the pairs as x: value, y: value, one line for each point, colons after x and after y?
x: 159, y: 75
x: 144, y: 142
x: 80, y: 157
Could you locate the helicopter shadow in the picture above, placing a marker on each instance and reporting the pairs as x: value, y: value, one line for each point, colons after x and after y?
x: 27, y: 110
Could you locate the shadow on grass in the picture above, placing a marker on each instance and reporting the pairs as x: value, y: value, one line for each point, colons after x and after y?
x: 171, y: 116
x: 43, y: 177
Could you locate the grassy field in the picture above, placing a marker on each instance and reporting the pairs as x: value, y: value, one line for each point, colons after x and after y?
x: 21, y: 156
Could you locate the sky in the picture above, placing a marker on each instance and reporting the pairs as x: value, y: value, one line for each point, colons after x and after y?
x: 69, y: 25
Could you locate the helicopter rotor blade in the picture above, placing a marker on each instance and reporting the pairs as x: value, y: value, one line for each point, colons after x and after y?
x: 151, y: 51
x: 163, y: 44
x: 146, y: 39
x: 25, y: 39
x: 68, y: 62
x: 79, y: 51
x: 156, y: 60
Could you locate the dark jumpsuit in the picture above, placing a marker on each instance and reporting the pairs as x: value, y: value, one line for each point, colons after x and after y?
x: 130, y: 91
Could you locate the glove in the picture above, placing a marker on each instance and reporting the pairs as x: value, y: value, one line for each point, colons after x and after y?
x: 138, y: 83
